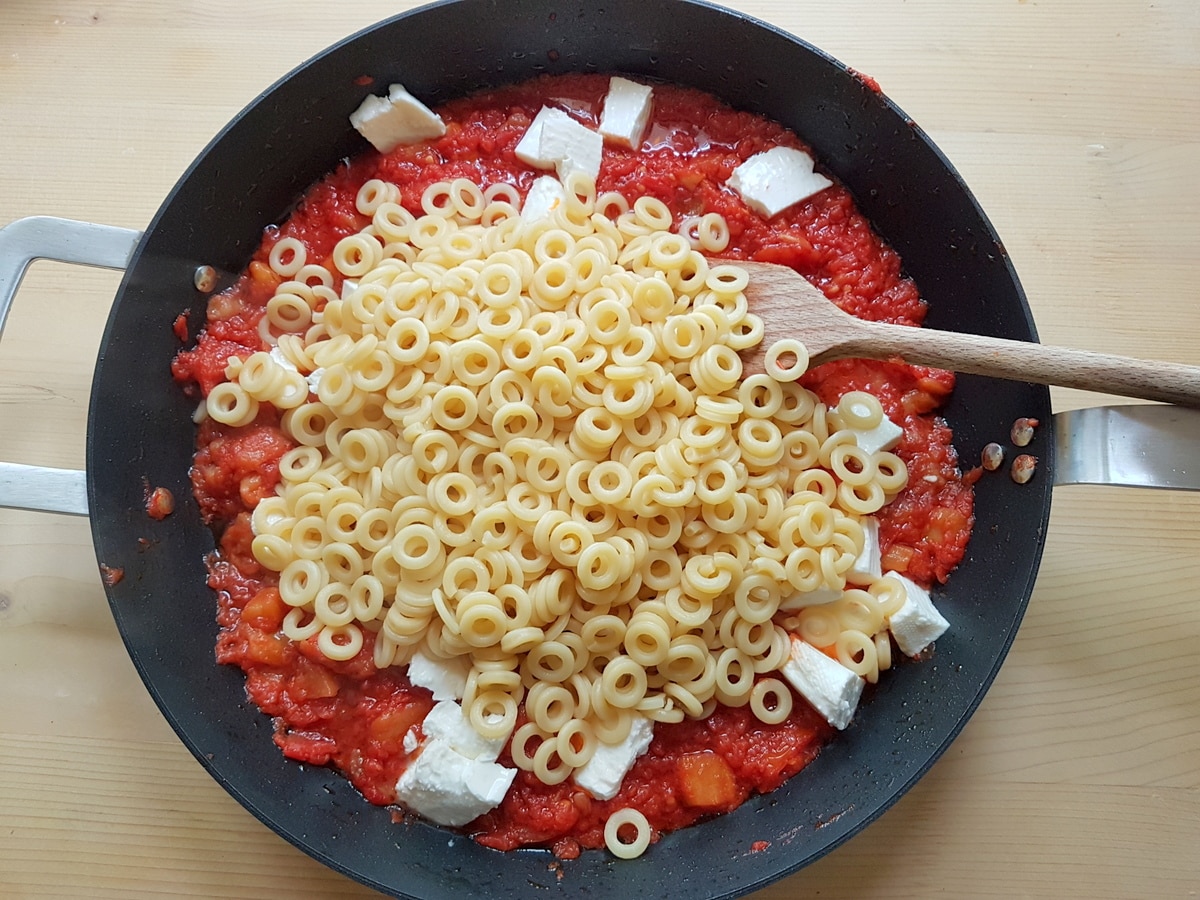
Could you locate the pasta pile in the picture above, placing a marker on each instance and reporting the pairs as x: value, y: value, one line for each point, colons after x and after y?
x: 531, y: 446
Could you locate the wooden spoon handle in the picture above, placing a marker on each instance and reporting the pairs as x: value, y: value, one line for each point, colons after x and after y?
x: 1021, y: 361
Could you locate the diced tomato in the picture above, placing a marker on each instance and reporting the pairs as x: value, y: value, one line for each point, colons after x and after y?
x: 312, y: 681
x: 391, y: 726
x: 265, y: 611
x: 306, y: 747
x: 267, y: 649
x: 707, y: 781
x: 896, y: 558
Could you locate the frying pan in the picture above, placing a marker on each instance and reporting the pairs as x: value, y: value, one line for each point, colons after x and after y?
x: 140, y: 431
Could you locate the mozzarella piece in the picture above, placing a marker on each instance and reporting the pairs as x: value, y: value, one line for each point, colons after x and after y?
x: 446, y: 678
x: 868, y: 565
x: 883, y: 436
x: 775, y: 179
x: 349, y: 286
x: 556, y: 141
x: 447, y: 723
x: 830, y: 687
x: 572, y: 146
x: 451, y: 789
x: 529, y: 148
x: 801, y: 599
x: 399, y: 118
x: 601, y: 776
x: 626, y: 111
x: 917, y: 623
x: 412, y: 739
x: 545, y: 195
x: 282, y: 361
x: 314, y: 379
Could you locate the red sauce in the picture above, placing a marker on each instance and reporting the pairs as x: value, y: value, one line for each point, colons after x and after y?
x: 160, y: 503
x: 353, y: 717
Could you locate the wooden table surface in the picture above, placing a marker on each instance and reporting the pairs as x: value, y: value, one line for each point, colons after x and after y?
x: 1077, y: 125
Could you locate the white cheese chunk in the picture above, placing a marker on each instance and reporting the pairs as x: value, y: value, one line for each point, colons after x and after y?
x: 917, y: 623
x: 412, y: 739
x: 450, y: 789
x: 801, y: 599
x: 601, y: 776
x: 868, y: 565
x: 830, y: 687
x: 573, y: 146
x: 282, y: 361
x: 626, y: 111
x: 446, y: 678
x: 775, y: 179
x: 399, y: 118
x: 529, y: 148
x: 545, y: 195
x: 349, y: 286
x: 314, y: 379
x: 883, y: 436
x: 447, y: 723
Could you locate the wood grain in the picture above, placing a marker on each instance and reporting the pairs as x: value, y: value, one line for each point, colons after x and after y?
x: 793, y: 309
x: 1077, y: 125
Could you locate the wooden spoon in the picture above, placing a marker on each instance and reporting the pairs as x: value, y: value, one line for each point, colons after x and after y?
x: 792, y: 307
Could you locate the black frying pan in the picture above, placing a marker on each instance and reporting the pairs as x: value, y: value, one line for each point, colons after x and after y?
x: 140, y: 430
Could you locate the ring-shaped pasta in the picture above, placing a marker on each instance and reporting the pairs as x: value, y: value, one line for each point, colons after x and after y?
x: 493, y: 714
x: 727, y: 279
x: 890, y: 593
x: 548, y: 766
x: 373, y: 194
x: 300, y: 580
x: 229, y: 404
x: 623, y: 683
x: 481, y: 619
x: 860, y: 410
x: 577, y: 742
x: 332, y: 605
x: 454, y: 407
x: 366, y: 598
x: 647, y: 638
x: 859, y: 610
x: 856, y: 651
x: 299, y: 624
x: 734, y: 677
x: 340, y: 643
x: 819, y: 626
x: 814, y: 484
x: 891, y: 473
x: 549, y: 705
x: 777, y: 364
x: 771, y: 701
x: 287, y: 256
x: 522, y: 640
x: 756, y: 598
x: 519, y: 745
x: 861, y: 499
x: 603, y: 633
x: 617, y: 826
x: 550, y: 661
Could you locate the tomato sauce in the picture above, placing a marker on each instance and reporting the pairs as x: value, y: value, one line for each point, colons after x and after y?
x: 353, y: 717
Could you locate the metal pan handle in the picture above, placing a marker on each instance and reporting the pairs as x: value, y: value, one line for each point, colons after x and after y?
x: 65, y: 240
x: 1154, y: 446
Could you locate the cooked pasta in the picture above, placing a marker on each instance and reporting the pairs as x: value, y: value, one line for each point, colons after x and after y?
x: 530, y: 445
x: 621, y: 820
